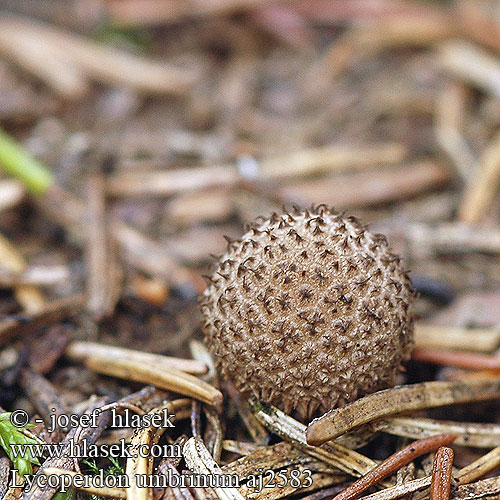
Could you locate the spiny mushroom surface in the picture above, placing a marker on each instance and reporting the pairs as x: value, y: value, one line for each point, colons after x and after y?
x: 309, y: 310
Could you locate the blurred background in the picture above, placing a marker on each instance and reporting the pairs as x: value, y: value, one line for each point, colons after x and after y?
x: 159, y: 126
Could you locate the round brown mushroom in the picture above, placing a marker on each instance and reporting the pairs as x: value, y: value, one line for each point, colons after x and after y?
x: 309, y: 310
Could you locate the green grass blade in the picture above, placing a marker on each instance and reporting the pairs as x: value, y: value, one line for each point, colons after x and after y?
x: 16, y: 161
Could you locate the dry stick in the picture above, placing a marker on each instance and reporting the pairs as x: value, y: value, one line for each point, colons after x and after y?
x: 4, y: 475
x: 441, y: 474
x: 393, y: 463
x: 399, y: 400
x: 103, y: 288
x: 54, y: 311
x: 164, y: 377
x: 81, y: 351
x: 472, y: 65
x: 30, y: 297
x: 43, y: 395
x: 295, y: 164
x: 457, y: 359
x: 448, y: 337
x: 482, y: 188
x: 468, y: 434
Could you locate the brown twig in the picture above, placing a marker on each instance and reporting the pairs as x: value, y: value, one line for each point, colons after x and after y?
x: 393, y: 463
x: 441, y: 474
x: 399, y: 400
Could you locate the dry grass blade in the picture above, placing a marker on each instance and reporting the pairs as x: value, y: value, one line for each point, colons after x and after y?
x: 199, y: 460
x: 345, y: 459
x: 441, y: 474
x: 482, y: 188
x: 165, y: 377
x: 104, y: 491
x: 468, y: 434
x: 449, y: 337
x: 146, y: 437
x: 394, y: 463
x: 399, y: 400
x: 81, y: 351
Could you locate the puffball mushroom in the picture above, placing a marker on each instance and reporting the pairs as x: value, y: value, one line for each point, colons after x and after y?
x: 309, y: 310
